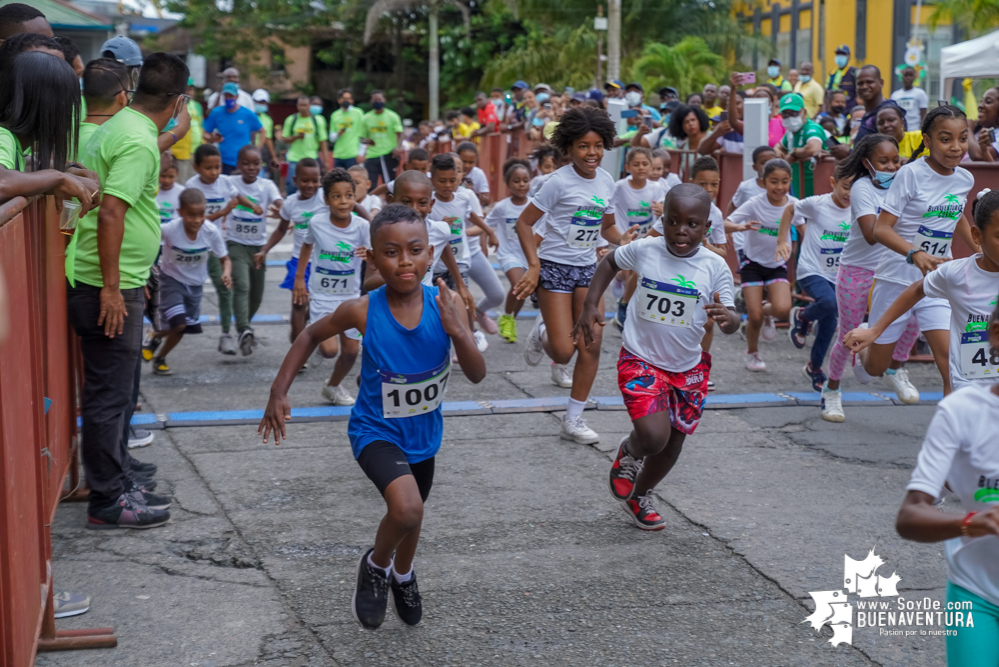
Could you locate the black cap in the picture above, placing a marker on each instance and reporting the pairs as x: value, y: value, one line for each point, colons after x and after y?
x: 635, y: 84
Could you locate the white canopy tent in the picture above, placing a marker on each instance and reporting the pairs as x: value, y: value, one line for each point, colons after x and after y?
x: 975, y: 58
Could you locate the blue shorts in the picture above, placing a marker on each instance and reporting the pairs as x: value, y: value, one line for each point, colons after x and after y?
x: 289, y: 279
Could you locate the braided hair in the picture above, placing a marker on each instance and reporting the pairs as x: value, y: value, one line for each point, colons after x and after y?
x: 944, y: 111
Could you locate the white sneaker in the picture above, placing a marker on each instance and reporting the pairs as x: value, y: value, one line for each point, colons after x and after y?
x: 480, y: 341
x: 317, y: 359
x: 534, y: 351
x: 617, y: 288
x: 561, y: 375
x: 711, y: 385
x: 857, y: 360
x: 578, y: 431
x: 755, y: 363
x: 769, y: 330
x: 227, y: 344
x: 337, y: 395
x: 246, y: 343
x: 899, y: 381
x: 832, y: 405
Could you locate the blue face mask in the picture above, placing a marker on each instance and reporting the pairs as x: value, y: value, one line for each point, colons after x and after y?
x: 882, y: 179
x: 841, y: 61
x: 172, y: 123
x: 538, y: 122
x: 773, y: 71
x: 230, y: 103
x: 805, y: 78
x: 316, y: 109
x: 260, y: 108
x: 81, y: 84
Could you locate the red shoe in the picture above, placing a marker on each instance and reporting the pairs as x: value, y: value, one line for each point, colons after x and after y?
x: 623, y: 473
x: 642, y: 512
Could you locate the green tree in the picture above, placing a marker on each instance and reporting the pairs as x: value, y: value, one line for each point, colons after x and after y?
x: 977, y: 16
x: 686, y: 66
x: 564, y: 56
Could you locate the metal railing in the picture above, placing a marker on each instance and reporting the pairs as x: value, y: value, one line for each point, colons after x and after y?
x: 40, y: 380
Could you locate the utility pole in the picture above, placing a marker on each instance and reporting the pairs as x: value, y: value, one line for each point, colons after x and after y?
x: 599, y: 25
x: 614, y: 39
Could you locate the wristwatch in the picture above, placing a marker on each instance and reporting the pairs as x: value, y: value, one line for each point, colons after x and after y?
x: 908, y: 256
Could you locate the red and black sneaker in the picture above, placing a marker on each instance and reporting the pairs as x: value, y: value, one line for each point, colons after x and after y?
x: 623, y: 472
x: 642, y: 512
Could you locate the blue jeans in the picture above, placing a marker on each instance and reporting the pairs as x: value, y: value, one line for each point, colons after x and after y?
x: 822, y: 311
x: 289, y: 182
x: 345, y: 163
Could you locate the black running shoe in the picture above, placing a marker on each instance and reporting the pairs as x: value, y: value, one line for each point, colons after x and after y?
x: 144, y: 483
x: 126, y: 513
x: 140, y: 469
x: 150, y: 500
x: 406, y: 601
x: 370, y: 595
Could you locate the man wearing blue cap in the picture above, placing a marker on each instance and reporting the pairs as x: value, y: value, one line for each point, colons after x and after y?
x: 231, y: 126
x: 613, y: 88
x: 844, y: 77
x: 775, y: 79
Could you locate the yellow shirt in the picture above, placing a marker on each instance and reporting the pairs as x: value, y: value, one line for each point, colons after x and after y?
x: 813, y: 94
x: 465, y: 130
x: 187, y: 144
x: 909, y: 143
x: 713, y: 112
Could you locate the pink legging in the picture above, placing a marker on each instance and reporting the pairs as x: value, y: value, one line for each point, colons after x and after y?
x: 853, y: 287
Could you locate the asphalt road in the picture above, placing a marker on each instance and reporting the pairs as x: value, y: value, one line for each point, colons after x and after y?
x: 525, y: 557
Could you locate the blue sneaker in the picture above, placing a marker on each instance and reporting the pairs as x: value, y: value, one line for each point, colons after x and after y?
x: 798, y: 331
x: 622, y: 315
x: 817, y: 377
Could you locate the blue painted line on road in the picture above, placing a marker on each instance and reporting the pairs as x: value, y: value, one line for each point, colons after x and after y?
x: 327, y: 413
x: 284, y: 319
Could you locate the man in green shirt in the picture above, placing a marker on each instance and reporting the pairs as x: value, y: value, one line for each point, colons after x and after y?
x: 382, y: 133
x: 775, y: 79
x: 345, y: 130
x: 116, y: 244
x: 265, y: 139
x: 305, y: 133
x: 802, y: 142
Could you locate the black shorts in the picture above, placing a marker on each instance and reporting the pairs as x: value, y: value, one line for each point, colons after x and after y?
x: 757, y: 275
x: 564, y: 278
x: 449, y: 281
x: 383, y: 463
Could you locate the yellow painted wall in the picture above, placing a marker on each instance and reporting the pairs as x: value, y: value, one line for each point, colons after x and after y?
x: 880, y: 15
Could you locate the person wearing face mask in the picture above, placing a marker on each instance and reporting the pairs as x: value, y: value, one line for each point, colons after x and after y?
x: 634, y: 95
x: 802, y: 141
x: 382, y: 133
x: 810, y: 90
x: 231, y: 126
x: 345, y: 130
x: 775, y: 79
x: 844, y: 77
x: 305, y: 133
x: 265, y: 139
x: 230, y: 75
x: 183, y: 150
x: 837, y: 111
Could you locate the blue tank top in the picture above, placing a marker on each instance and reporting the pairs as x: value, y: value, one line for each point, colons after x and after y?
x: 403, y: 376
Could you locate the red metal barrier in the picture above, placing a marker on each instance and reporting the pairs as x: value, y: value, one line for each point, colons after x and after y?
x: 37, y: 361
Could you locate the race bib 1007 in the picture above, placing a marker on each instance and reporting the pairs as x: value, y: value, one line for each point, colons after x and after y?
x: 408, y: 395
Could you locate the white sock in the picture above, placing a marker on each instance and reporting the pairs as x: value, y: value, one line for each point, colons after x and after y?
x: 541, y: 332
x: 402, y: 578
x: 384, y: 570
x: 575, y: 409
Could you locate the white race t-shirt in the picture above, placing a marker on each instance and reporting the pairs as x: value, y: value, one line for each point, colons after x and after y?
x: 336, y: 269
x: 865, y: 199
x: 439, y: 237
x: 826, y: 231
x: 460, y: 207
x: 747, y: 189
x: 480, y: 184
x: 300, y: 212
x: 576, y: 207
x: 244, y: 226
x: 761, y: 244
x: 503, y: 218
x: 715, y: 233
x: 168, y: 202
x: 184, y: 260
x: 217, y: 194
x: 474, y: 242
x: 972, y: 294
x: 373, y: 203
x: 537, y: 182
x: 666, y: 316
x: 911, y: 102
x: 634, y: 207
x: 928, y: 207
x: 960, y: 448
x: 669, y: 181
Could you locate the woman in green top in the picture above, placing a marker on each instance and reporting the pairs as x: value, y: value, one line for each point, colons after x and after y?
x: 40, y: 115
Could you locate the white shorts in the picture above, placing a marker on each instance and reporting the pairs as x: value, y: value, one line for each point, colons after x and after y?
x: 930, y: 314
x: 320, y: 309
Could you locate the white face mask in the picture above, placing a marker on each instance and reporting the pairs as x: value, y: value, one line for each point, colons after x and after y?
x: 633, y: 99
x: 793, y: 124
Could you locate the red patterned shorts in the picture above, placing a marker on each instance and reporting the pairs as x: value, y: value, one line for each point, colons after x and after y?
x: 647, y: 389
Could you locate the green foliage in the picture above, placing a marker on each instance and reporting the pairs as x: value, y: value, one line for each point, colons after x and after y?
x: 977, y: 16
x: 563, y: 56
x: 687, y: 66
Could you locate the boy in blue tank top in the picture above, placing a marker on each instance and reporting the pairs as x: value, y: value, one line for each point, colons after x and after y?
x: 396, y: 424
